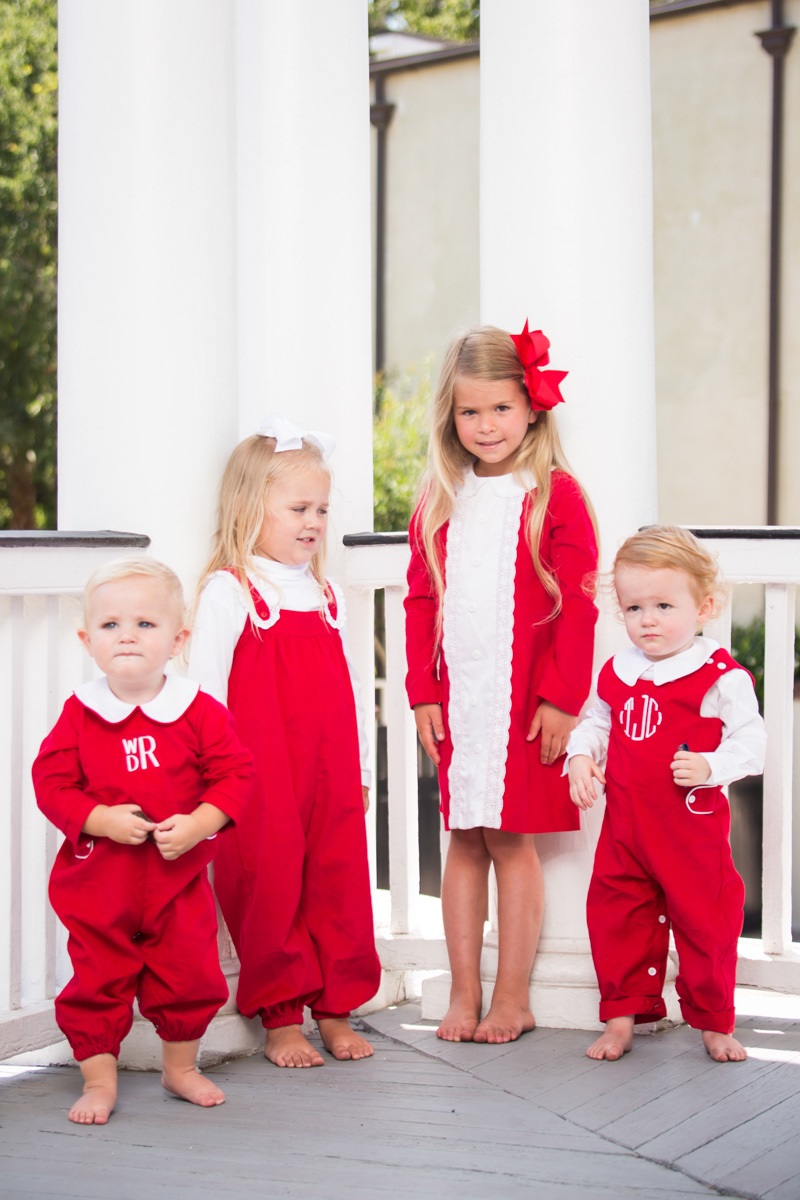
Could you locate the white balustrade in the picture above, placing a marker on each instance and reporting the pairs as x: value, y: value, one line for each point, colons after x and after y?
x: 40, y: 581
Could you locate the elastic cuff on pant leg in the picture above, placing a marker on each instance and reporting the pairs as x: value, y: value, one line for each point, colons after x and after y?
x: 643, y: 1009
x: 715, y: 1022
x: 327, y: 1016
x: 182, y: 1033
x: 83, y: 1050
x: 279, y: 1020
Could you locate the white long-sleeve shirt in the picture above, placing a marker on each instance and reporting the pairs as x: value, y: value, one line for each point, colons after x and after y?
x: 222, y: 613
x: 731, y: 698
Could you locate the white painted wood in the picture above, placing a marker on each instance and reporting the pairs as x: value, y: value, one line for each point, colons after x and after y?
x: 303, y: 233
x: 779, y: 715
x: 147, y: 303
x: 402, y: 758
x: 565, y: 92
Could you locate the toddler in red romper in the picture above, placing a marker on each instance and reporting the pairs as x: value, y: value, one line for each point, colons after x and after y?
x: 139, y: 773
x: 292, y: 879
x: 677, y: 718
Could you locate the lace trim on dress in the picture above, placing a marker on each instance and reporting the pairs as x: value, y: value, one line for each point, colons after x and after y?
x: 457, y: 774
x: 270, y: 595
x: 338, y: 621
x: 272, y: 598
x: 499, y: 718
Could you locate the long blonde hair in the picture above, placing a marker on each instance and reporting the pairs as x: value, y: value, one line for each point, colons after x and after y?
x: 252, y: 471
x: 486, y: 353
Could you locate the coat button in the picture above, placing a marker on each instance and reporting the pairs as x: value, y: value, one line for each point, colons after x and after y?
x: 651, y: 971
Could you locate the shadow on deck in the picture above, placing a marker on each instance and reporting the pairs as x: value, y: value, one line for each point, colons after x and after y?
x: 433, y: 1120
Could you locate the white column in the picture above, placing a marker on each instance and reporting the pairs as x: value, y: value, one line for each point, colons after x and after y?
x: 566, y: 241
x: 146, y: 300
x: 303, y: 196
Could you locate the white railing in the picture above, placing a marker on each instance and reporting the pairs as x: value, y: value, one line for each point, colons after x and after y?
x: 41, y: 577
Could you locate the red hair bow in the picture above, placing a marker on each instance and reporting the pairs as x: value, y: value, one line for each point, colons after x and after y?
x: 542, y: 386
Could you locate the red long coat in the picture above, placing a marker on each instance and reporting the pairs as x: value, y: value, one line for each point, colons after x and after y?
x: 552, y: 658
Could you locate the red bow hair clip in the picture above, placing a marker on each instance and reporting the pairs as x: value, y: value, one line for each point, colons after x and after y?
x: 541, y: 386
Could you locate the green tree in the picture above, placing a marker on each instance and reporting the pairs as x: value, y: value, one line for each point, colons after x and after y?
x: 28, y: 127
x: 455, y: 20
x: 399, y: 445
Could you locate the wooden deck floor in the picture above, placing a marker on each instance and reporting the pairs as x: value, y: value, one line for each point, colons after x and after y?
x: 433, y: 1121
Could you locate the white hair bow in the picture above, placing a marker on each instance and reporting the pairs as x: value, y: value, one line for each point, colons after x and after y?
x: 289, y: 436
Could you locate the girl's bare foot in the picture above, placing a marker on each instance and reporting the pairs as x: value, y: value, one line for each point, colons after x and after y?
x: 288, y: 1047
x: 461, y: 1020
x: 723, y: 1047
x: 615, y: 1041
x: 180, y: 1075
x: 341, y: 1040
x: 505, y: 1021
x: 99, y: 1096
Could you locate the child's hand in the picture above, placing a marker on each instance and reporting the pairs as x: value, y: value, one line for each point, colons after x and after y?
x: 583, y: 771
x: 430, y: 728
x: 555, y: 727
x: 119, y: 822
x: 689, y: 769
x: 365, y: 794
x: 178, y: 834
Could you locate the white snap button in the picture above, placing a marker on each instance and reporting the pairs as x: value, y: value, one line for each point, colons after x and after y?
x: 721, y: 666
x: 651, y: 970
x: 662, y: 919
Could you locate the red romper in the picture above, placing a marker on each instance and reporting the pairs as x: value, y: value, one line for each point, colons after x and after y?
x: 664, y: 858
x: 293, y: 880
x: 138, y: 926
x: 551, y: 660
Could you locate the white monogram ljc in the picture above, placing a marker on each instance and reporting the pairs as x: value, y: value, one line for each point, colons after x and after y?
x: 641, y: 725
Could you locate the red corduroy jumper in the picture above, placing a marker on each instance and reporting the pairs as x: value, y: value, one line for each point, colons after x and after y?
x: 293, y: 879
x: 663, y: 858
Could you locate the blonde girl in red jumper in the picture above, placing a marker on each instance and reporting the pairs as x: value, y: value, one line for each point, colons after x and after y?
x: 293, y: 880
x: 500, y: 633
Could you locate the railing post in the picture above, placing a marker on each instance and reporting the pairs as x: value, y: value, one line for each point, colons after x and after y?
x: 778, y: 687
x: 401, y: 746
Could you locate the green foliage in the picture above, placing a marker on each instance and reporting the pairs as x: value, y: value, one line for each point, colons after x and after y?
x: 747, y: 647
x: 28, y: 128
x: 400, y: 444
x: 455, y: 20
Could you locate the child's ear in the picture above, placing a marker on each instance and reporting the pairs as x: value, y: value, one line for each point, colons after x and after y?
x: 87, y: 641
x: 707, y: 610
x: 181, y: 638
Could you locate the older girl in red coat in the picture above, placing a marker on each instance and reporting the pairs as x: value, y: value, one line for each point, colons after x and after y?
x: 500, y: 632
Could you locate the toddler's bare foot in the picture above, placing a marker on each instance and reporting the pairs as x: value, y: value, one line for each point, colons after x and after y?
x: 99, y: 1096
x: 505, y: 1021
x: 188, y: 1084
x: 723, y: 1047
x: 342, y: 1041
x: 288, y: 1047
x: 94, y: 1107
x: 460, y: 1020
x: 615, y: 1041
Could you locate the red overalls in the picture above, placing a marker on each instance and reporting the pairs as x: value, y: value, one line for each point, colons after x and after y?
x: 293, y: 879
x: 664, y: 858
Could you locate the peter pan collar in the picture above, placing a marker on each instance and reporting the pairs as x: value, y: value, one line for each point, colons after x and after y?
x: 631, y: 665
x: 169, y: 705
